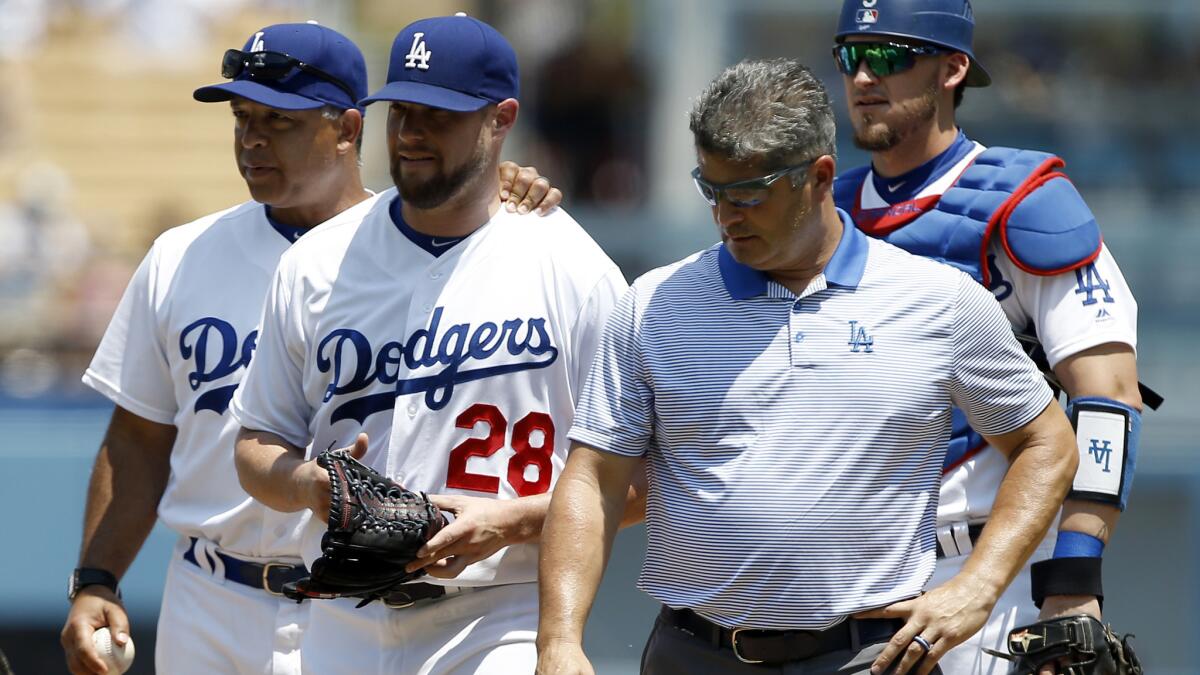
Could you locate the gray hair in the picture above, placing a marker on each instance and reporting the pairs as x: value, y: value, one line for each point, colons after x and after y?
x: 334, y: 113
x: 771, y: 112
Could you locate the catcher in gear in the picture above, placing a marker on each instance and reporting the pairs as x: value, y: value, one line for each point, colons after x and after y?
x: 376, y: 527
x: 1072, y: 645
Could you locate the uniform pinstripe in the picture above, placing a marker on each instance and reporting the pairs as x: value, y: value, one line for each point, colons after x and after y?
x: 794, y: 461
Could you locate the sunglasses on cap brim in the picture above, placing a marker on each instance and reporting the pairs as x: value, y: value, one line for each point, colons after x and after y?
x: 273, y: 66
x: 883, y: 58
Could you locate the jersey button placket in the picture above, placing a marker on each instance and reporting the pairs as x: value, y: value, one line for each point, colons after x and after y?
x: 434, y: 273
x: 797, y: 338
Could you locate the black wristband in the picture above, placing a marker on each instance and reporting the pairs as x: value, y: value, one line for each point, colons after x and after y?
x: 1066, y: 576
x: 83, y: 577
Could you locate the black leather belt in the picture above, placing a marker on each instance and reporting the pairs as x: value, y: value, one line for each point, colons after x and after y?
x: 782, y: 646
x: 269, y: 577
x: 973, y: 532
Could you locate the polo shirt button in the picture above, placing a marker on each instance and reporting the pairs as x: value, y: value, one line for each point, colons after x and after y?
x: 797, y: 306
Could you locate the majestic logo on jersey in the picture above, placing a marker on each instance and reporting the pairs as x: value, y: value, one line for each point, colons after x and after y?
x: 257, y: 45
x: 418, y: 55
x: 1101, y: 452
x: 860, y: 339
x: 213, y: 346
x: 1088, y: 283
x: 355, y: 365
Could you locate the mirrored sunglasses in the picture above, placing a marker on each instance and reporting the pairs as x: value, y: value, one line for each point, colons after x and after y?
x: 883, y: 58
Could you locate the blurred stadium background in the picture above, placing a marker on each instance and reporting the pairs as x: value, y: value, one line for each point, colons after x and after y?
x: 102, y: 148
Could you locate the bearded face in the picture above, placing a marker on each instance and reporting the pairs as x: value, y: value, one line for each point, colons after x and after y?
x: 434, y: 153
x: 884, y: 129
x: 428, y: 187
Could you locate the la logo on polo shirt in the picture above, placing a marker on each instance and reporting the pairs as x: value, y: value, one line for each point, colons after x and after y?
x: 860, y: 339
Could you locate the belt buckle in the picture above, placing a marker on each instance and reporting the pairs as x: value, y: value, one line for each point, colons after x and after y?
x: 266, y: 586
x: 733, y: 643
x: 393, y: 604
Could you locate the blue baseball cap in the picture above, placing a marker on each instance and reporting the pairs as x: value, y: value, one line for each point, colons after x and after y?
x: 945, y: 23
x: 333, y: 71
x: 451, y: 62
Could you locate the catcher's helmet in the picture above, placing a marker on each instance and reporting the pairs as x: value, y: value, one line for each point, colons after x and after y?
x: 946, y: 23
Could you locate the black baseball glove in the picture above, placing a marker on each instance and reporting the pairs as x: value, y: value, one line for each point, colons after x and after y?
x: 1080, y: 645
x: 376, y: 527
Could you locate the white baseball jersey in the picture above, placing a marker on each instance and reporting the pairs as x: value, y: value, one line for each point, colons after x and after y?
x: 1068, y: 313
x: 175, y: 351
x: 463, y: 369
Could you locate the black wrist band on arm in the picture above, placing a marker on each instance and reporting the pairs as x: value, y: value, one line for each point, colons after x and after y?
x: 1066, y: 576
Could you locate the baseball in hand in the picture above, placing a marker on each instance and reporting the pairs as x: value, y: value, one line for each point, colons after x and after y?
x: 117, y: 658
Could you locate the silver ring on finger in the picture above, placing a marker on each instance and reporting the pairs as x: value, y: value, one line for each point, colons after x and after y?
x: 923, y: 643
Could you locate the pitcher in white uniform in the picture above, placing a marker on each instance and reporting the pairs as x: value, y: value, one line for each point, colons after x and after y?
x: 456, y: 336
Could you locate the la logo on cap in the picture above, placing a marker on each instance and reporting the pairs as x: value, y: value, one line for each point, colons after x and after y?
x: 257, y: 45
x: 418, y: 55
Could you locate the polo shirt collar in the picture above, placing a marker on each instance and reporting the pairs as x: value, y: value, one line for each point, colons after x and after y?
x: 846, y: 266
x: 741, y: 281
x: 844, y: 269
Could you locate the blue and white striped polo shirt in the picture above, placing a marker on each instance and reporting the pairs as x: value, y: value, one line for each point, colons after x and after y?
x: 795, y: 443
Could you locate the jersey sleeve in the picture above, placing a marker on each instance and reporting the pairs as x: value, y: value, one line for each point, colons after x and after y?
x: 616, y: 410
x: 597, y: 307
x: 994, y: 382
x: 131, y: 366
x: 1076, y: 310
x: 271, y: 397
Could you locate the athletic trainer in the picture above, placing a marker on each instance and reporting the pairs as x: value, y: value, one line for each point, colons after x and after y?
x: 791, y: 389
